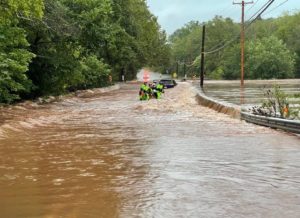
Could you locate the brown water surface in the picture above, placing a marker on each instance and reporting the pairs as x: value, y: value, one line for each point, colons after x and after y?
x: 253, y: 91
x: 111, y: 155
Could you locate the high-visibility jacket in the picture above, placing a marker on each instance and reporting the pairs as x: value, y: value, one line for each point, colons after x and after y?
x: 159, y: 87
x: 145, y: 88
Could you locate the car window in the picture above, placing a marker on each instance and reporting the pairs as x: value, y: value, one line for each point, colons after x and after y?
x: 167, y: 81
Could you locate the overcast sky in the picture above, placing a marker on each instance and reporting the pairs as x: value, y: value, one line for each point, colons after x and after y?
x: 173, y: 14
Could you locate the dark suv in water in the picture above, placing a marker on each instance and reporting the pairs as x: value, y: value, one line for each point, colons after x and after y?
x: 168, y: 83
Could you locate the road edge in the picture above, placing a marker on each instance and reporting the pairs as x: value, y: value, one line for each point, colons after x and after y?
x: 236, y: 111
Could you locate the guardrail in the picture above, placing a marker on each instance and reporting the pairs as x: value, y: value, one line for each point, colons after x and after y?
x: 220, y: 106
x: 236, y: 112
x: 277, y: 123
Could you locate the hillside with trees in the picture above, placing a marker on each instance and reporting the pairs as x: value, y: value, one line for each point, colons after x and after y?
x: 49, y: 47
x: 272, y: 48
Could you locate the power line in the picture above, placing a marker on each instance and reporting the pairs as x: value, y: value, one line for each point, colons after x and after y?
x: 273, y: 9
x: 215, y: 48
x: 252, y: 6
x: 218, y: 45
x: 229, y: 13
x: 220, y: 48
x: 262, y: 10
x: 225, y: 9
x: 258, y: 14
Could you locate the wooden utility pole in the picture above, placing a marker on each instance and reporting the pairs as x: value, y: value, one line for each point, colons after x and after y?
x: 202, y: 57
x: 243, y: 3
x: 184, y: 69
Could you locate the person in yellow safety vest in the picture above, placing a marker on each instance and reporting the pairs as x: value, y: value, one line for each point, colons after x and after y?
x: 145, y: 91
x: 159, y: 90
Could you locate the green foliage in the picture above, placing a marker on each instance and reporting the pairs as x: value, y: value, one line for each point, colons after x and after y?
x: 219, y: 32
x: 266, y: 56
x: 95, y: 73
x: 186, y: 43
x: 56, y: 69
x: 289, y: 31
x: 269, y: 58
x: 13, y: 65
x: 11, y: 10
x: 138, y: 40
x: 14, y: 56
x: 277, y: 101
x: 276, y: 104
x: 185, y: 47
x: 59, y: 45
x: 231, y: 63
x: 50, y: 47
x: 217, y: 74
x: 261, y: 29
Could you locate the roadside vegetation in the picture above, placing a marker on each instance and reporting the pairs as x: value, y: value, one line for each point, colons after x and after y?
x: 49, y: 47
x: 277, y: 104
x: 272, y: 48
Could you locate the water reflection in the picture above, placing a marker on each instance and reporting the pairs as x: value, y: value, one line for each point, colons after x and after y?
x: 113, y: 156
x: 252, y: 92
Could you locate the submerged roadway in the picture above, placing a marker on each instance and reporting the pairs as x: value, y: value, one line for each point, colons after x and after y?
x: 110, y: 155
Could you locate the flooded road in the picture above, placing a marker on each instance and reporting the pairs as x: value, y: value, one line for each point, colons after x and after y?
x: 253, y: 91
x: 111, y: 155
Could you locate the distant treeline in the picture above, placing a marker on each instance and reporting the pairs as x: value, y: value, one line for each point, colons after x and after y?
x: 48, y: 47
x: 272, y: 48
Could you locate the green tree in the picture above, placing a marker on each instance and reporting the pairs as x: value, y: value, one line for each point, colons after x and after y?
x: 231, y: 63
x: 52, y: 40
x: 139, y: 40
x: 74, y: 44
x: 14, y: 55
x: 221, y: 33
x: 269, y: 58
x: 288, y: 30
x: 265, y: 58
x: 276, y: 56
x: 186, y: 43
x: 95, y: 73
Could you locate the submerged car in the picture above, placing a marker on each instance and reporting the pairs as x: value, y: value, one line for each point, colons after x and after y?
x: 168, y: 83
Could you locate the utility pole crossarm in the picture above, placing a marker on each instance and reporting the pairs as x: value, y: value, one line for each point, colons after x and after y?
x: 245, y: 3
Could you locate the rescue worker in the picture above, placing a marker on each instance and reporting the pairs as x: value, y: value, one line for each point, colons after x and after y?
x: 152, y: 85
x: 145, y: 91
x: 159, y: 90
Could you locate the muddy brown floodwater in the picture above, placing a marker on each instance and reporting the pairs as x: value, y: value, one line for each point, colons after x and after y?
x: 111, y: 155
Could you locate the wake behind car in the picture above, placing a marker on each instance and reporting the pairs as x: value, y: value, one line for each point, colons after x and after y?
x: 168, y: 83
